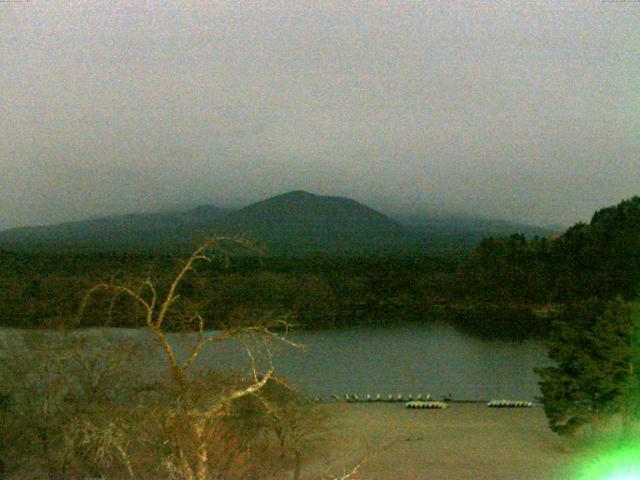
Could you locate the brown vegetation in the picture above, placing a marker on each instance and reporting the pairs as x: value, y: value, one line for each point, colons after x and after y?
x: 81, y: 408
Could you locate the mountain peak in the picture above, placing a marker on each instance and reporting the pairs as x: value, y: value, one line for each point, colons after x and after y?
x: 296, y: 194
x: 315, y: 222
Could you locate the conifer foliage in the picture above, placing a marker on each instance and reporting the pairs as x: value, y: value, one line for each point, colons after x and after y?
x: 593, y: 346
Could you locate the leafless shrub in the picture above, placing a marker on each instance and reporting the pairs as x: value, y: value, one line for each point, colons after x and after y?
x: 53, y: 380
x: 197, y: 420
x: 87, y: 406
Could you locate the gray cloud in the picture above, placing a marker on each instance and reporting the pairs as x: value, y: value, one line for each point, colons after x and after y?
x: 519, y: 110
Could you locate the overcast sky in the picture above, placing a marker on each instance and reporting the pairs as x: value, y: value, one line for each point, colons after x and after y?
x: 526, y: 110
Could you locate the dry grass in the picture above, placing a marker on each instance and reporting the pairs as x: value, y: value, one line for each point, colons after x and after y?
x: 462, y: 442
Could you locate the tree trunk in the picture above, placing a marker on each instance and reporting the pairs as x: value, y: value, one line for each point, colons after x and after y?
x: 202, y: 454
x: 298, y: 466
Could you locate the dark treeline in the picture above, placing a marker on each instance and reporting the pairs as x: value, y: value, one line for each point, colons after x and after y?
x: 596, y: 260
x: 311, y: 291
x: 507, y: 287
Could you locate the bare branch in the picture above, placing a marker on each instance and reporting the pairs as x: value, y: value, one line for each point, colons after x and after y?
x: 253, y: 363
x: 154, y: 293
x: 350, y: 474
x: 171, y: 295
x: 200, y: 342
x: 254, y: 387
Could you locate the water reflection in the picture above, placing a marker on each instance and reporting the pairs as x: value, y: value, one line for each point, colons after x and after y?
x: 412, y: 359
x: 408, y: 359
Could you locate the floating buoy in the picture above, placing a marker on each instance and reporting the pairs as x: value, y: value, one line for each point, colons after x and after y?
x: 419, y: 397
x: 399, y: 398
x: 509, y: 404
x: 390, y: 398
x: 378, y: 398
x: 429, y: 405
x: 368, y: 398
x: 335, y: 398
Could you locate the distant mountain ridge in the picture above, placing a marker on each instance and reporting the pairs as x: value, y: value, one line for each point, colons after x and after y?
x: 459, y: 222
x: 113, y: 231
x: 296, y: 222
x: 301, y: 214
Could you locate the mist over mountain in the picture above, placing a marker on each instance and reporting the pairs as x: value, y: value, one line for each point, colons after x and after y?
x: 314, y: 223
x: 459, y: 222
x: 119, y: 231
x: 297, y: 222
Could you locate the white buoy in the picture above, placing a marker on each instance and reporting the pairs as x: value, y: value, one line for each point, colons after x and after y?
x: 509, y: 404
x: 427, y: 405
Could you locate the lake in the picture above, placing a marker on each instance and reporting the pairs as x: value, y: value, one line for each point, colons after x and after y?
x: 431, y: 359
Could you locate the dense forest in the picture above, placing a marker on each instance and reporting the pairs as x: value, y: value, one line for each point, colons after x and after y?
x: 510, y: 287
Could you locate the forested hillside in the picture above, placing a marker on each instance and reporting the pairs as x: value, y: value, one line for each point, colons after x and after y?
x: 508, y: 287
x: 599, y: 259
x: 293, y: 224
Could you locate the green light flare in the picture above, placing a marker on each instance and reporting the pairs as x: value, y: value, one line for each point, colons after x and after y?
x: 620, y: 463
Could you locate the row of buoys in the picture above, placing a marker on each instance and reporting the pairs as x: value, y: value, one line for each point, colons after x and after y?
x: 509, y: 404
x: 353, y: 398
x: 428, y: 404
x: 419, y: 401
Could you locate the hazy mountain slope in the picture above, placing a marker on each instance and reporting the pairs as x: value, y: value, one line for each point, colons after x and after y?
x: 474, y: 226
x: 303, y: 223
x: 292, y: 223
x: 304, y: 215
x: 116, y: 231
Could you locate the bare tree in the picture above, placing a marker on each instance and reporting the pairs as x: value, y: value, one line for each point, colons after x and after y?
x: 156, y: 308
x: 197, y: 405
x: 55, y: 380
x: 92, y: 407
x: 296, y: 421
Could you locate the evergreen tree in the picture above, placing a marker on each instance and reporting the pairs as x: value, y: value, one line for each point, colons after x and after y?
x: 592, y: 344
x: 631, y: 396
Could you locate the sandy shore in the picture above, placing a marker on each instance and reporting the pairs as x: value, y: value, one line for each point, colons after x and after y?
x: 462, y: 442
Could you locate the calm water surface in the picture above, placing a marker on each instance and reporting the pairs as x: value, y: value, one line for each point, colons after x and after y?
x: 411, y: 359
x: 435, y: 359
